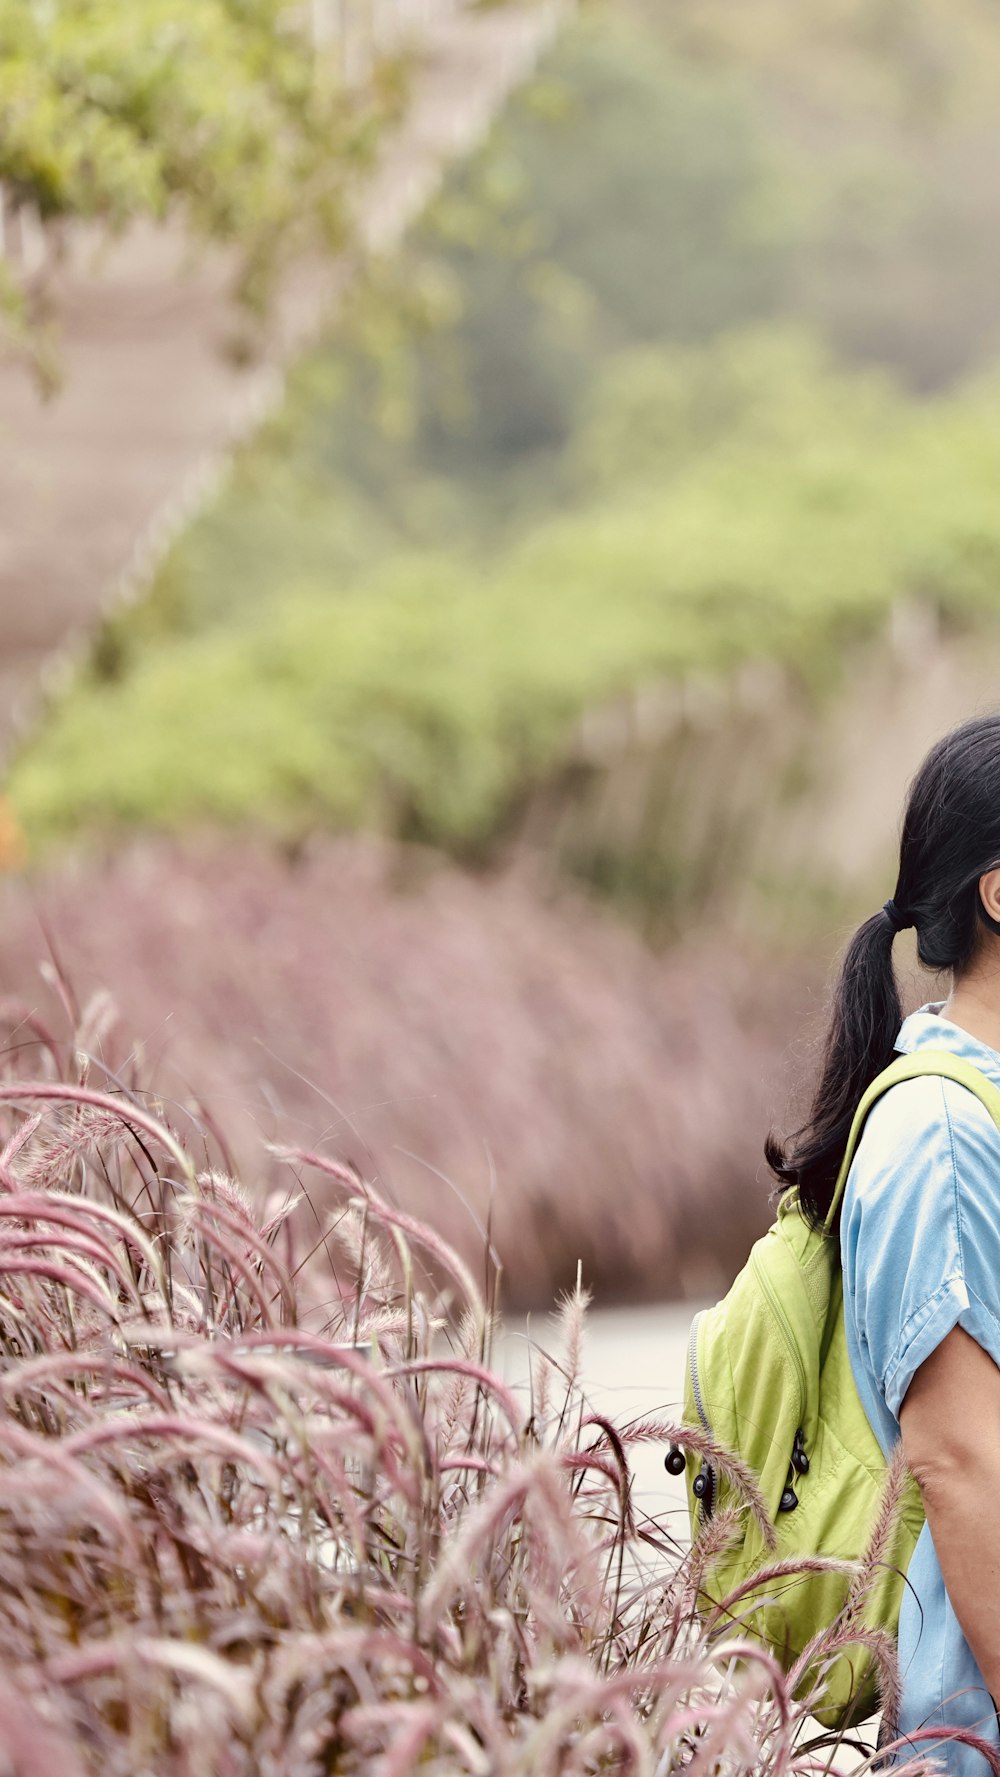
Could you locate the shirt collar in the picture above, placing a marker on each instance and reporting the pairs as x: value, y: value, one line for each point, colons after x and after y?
x: 928, y: 1029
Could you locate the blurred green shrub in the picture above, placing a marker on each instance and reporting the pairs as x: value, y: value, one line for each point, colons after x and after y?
x: 430, y: 695
x: 656, y: 410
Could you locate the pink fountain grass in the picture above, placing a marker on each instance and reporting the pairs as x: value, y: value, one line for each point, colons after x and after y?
x: 489, y: 1054
x: 265, y: 1516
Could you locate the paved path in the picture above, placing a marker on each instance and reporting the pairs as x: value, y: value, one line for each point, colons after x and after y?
x: 633, y: 1368
x: 93, y: 484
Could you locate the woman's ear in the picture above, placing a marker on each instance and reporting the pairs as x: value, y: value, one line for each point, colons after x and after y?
x: 989, y: 893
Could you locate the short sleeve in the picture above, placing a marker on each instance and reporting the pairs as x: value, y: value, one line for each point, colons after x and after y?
x: 921, y: 1230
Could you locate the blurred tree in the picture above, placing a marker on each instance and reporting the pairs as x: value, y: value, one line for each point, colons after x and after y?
x: 889, y: 110
x: 621, y: 198
x: 227, y: 115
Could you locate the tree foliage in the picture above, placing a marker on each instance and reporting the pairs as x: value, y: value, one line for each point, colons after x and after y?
x: 622, y: 198
x: 221, y: 114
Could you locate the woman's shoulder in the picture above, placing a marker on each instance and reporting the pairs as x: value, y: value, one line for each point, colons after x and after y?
x: 929, y: 1126
x: 920, y: 1227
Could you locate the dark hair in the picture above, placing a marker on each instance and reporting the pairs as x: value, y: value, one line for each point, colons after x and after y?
x: 950, y: 838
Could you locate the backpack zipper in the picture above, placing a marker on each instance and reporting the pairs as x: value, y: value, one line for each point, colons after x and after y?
x: 704, y: 1484
x: 693, y: 1368
x: 799, y: 1463
x: 781, y: 1317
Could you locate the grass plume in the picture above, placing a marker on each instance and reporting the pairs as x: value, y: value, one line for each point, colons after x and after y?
x: 261, y: 1516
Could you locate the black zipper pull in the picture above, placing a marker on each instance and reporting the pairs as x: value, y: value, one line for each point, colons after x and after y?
x: 703, y: 1488
x: 799, y: 1465
x: 675, y: 1461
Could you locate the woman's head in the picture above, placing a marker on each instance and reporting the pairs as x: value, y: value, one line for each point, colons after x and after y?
x: 950, y: 840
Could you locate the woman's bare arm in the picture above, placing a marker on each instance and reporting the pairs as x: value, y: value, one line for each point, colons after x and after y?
x: 950, y: 1421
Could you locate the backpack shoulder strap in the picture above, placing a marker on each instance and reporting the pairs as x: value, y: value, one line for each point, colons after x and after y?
x: 912, y: 1067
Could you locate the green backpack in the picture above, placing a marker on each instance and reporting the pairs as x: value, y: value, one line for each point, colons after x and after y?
x: 769, y: 1380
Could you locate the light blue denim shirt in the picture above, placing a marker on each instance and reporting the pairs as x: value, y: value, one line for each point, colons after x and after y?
x: 920, y: 1241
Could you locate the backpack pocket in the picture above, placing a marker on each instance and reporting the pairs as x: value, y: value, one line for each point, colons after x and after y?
x: 769, y: 1379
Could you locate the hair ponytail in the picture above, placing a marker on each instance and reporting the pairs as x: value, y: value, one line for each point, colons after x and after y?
x: 864, y: 1023
x: 950, y: 838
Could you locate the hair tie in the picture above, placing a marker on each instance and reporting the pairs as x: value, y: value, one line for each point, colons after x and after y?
x: 897, y: 920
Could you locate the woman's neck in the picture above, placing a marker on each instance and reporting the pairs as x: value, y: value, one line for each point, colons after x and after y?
x: 974, y: 1001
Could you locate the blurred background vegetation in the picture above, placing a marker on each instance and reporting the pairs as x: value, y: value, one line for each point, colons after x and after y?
x: 630, y: 531
x: 215, y: 115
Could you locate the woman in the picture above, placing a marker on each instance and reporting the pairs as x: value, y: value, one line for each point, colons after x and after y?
x: 920, y: 1227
